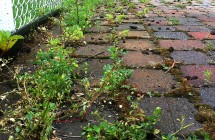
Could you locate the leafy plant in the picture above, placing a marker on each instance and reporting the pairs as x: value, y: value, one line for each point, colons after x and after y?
x: 7, y: 41
x: 123, y: 130
x: 42, y: 92
x: 73, y: 34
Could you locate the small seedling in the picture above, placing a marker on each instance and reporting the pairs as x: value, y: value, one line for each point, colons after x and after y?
x: 119, y: 18
x: 209, y: 46
x: 207, y: 76
x: 110, y: 18
x: 143, y: 12
x: 174, y: 21
x: 145, y: 1
x: 182, y: 6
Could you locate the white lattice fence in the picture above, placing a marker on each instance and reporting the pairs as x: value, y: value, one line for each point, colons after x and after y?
x: 24, y: 11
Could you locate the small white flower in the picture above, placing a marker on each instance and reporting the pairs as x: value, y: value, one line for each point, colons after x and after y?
x: 120, y: 106
x: 12, y: 119
x: 110, y: 103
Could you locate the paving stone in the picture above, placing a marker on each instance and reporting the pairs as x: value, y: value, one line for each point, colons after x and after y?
x: 138, y: 59
x: 138, y: 35
x: 96, y: 67
x: 211, y: 54
x: 191, y: 57
x: 145, y: 80
x: 210, y: 24
x: 181, y: 44
x: 151, y: 15
x: 155, y: 19
x: 202, y: 35
x: 92, y: 50
x: 208, y: 96
x: 130, y: 27
x: 162, y: 28
x: 191, y: 23
x: 207, y: 19
x: 172, y: 109
x: 137, y: 44
x: 173, y: 15
x: 99, y: 29
x: 194, y: 13
x: 97, y: 38
x: 131, y: 16
x: 160, y: 23
x: 173, y: 12
x: 195, y: 74
x: 193, y: 28
x: 68, y: 130
x: 188, y: 19
x: 132, y: 21
x: 171, y: 35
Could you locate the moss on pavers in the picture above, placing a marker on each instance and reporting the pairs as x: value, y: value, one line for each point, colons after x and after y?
x: 195, y: 74
x: 148, y: 80
x: 138, y: 60
x: 181, y: 44
x: 137, y: 44
x: 172, y: 109
x: 191, y: 57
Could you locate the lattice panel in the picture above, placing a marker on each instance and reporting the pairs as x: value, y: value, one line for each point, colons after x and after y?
x: 26, y: 11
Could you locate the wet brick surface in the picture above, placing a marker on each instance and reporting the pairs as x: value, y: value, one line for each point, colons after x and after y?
x: 162, y: 28
x: 193, y: 28
x: 92, y: 50
x: 96, y: 67
x: 138, y: 35
x: 152, y: 80
x: 172, y: 109
x: 182, y: 44
x: 191, y: 57
x: 138, y: 59
x: 130, y: 26
x: 208, y: 96
x: 195, y: 74
x: 137, y: 44
x: 202, y: 35
x: 171, y: 35
x: 97, y: 38
x: 99, y: 29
